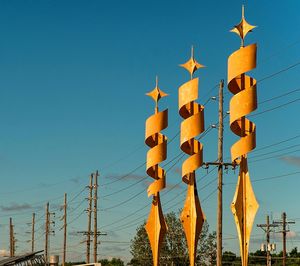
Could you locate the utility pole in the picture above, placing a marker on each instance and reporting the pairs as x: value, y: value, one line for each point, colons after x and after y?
x: 220, y: 177
x: 284, y: 222
x: 11, y: 238
x: 88, y: 243
x: 284, y: 231
x: 95, y: 215
x: 267, y: 228
x: 46, y: 233
x: 220, y: 164
x: 65, y: 230
x: 32, y: 232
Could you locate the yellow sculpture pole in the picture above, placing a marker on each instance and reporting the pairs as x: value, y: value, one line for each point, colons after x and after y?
x: 156, y: 226
x: 192, y: 217
x: 244, y: 101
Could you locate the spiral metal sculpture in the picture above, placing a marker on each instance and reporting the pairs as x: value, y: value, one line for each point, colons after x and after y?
x: 192, y: 216
x: 243, y: 102
x: 156, y: 226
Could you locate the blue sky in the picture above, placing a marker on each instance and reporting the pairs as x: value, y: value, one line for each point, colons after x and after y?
x: 73, y: 80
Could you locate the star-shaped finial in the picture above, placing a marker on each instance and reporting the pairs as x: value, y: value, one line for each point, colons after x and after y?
x: 243, y: 27
x: 156, y: 94
x: 192, y: 65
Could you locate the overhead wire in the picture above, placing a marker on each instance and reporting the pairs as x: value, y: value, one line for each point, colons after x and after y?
x: 268, y: 178
x: 142, y: 217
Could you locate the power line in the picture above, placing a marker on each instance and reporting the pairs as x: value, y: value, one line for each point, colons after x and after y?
x: 125, y: 188
x: 279, y: 72
x: 272, y: 157
x: 278, y: 96
x: 269, y: 178
x: 123, y: 176
x: 276, y: 143
x: 274, y: 108
x: 142, y: 217
x: 283, y: 149
x: 123, y: 202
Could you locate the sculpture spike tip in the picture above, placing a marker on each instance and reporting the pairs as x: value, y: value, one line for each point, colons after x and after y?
x: 156, y: 94
x: 192, y: 65
x: 243, y: 28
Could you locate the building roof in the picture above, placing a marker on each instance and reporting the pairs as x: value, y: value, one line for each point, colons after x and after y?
x: 32, y: 257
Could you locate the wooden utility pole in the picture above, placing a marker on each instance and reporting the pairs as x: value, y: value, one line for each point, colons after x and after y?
x: 267, y: 228
x: 11, y: 238
x: 32, y: 232
x: 284, y: 222
x: 220, y: 177
x: 284, y: 238
x: 95, y: 215
x: 65, y: 230
x: 89, y: 211
x: 46, y: 233
x: 220, y: 164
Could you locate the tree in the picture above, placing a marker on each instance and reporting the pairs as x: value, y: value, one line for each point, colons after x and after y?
x: 228, y: 258
x: 112, y: 262
x: 207, y: 247
x: 140, y: 248
x: 294, y: 253
x: 174, y: 249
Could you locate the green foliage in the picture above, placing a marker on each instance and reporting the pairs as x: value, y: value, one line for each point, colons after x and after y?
x: 294, y: 253
x: 140, y: 248
x: 174, y: 249
x: 228, y: 258
x: 259, y: 258
x: 112, y: 262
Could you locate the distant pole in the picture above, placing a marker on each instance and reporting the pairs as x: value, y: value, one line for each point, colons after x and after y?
x: 89, y: 211
x: 32, y: 232
x: 284, y: 238
x: 220, y: 177
x: 267, y: 228
x: 283, y: 222
x: 46, y: 233
x: 95, y: 216
x: 11, y: 253
x: 65, y: 230
x: 268, y: 243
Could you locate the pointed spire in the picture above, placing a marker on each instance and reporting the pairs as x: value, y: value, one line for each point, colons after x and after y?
x: 243, y: 27
x: 156, y: 94
x: 192, y: 65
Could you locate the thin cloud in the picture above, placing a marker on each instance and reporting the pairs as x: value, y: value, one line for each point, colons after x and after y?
x: 113, y: 234
x: 114, y: 249
x: 16, y: 207
x: 294, y: 160
x: 75, y: 180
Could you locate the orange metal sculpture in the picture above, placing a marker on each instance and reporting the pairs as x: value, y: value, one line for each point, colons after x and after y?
x: 156, y: 226
x: 244, y: 101
x: 192, y: 217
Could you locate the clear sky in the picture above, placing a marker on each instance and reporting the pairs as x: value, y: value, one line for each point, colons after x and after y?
x: 73, y: 78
